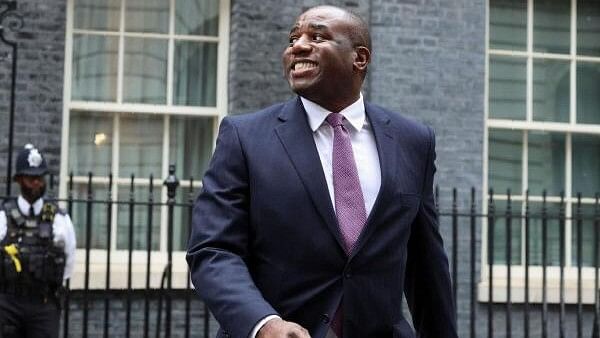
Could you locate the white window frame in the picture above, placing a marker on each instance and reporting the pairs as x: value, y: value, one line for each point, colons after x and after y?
x: 119, y: 258
x: 500, y: 274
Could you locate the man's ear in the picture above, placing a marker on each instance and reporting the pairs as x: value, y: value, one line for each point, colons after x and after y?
x: 362, y: 58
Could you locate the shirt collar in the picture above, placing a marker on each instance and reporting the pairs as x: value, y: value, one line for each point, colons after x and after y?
x: 354, y: 113
x: 24, y: 205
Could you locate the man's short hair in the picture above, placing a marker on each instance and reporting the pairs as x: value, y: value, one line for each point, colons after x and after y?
x: 359, y: 32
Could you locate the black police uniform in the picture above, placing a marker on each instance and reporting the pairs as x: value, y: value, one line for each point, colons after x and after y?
x: 31, y: 265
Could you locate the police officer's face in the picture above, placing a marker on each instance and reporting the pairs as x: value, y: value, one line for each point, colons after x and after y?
x: 32, y: 187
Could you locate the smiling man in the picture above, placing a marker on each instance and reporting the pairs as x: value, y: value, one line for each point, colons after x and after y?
x: 317, y: 214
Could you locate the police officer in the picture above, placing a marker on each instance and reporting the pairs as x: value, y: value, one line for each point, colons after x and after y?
x: 37, y: 252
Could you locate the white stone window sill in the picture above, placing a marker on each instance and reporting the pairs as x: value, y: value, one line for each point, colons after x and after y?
x: 500, y: 282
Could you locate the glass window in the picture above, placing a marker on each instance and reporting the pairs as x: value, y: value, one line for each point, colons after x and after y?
x: 586, y: 164
x: 585, y: 216
x: 536, y: 235
x: 588, y: 92
x: 145, y: 71
x: 588, y: 27
x: 505, y: 153
x: 197, y: 17
x: 195, y: 80
x: 546, y: 162
x: 551, y: 90
x: 551, y: 26
x: 501, y: 226
x: 147, y: 16
x: 557, y: 144
x: 182, y: 217
x: 508, y: 24
x: 508, y: 88
x: 97, y: 15
x: 94, y: 71
x: 186, y: 133
x: 134, y: 216
x: 98, y: 217
x: 90, y: 143
x: 140, y: 145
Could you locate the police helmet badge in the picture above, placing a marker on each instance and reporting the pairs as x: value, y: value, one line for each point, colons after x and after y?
x: 34, y: 158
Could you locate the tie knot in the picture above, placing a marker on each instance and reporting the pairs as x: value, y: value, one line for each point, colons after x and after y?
x: 335, y: 119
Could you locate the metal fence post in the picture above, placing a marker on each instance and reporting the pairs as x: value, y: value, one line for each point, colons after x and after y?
x: 9, y: 10
x: 171, y: 182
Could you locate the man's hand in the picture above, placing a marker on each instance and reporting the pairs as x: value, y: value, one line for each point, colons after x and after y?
x: 279, y: 328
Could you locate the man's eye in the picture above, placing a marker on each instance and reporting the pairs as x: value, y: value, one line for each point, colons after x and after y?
x: 318, y: 37
x: 293, y: 39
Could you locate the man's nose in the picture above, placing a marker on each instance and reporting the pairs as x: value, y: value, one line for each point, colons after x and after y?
x: 301, y: 45
x: 37, y: 181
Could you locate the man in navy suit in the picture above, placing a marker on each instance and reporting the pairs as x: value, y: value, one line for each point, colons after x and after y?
x: 317, y: 213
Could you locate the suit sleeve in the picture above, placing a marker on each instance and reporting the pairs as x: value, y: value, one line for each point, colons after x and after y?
x: 219, y: 242
x: 428, y: 286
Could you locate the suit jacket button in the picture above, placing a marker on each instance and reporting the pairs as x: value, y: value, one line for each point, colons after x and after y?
x: 325, y: 318
x: 348, y: 275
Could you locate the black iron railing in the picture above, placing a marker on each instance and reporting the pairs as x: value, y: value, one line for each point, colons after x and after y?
x: 10, y: 21
x: 568, y: 316
x: 481, y: 236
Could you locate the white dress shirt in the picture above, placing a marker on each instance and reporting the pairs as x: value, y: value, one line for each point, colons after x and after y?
x: 364, y: 148
x: 62, y: 228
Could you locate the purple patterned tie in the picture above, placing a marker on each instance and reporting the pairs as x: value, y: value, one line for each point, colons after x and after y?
x: 349, y: 202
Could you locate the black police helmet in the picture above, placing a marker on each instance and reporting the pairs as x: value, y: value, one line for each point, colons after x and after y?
x: 30, y: 162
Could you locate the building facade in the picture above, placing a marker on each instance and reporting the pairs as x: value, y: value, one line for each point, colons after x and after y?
x: 127, y: 87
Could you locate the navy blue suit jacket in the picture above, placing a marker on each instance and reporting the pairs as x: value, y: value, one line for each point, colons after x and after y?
x: 265, y: 238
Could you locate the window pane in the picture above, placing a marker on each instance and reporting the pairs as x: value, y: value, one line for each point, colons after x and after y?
x: 195, y: 78
x: 586, y: 215
x: 586, y: 164
x: 508, y: 88
x: 147, y: 16
x: 135, y: 215
x: 182, y: 216
x: 140, y: 146
x: 94, y: 72
x: 191, y: 143
x: 98, y: 15
x: 197, y: 17
x: 508, y: 24
x: 546, y: 162
x: 588, y: 27
x: 588, y: 92
x: 536, y: 237
x: 551, y: 90
x: 90, y: 143
x: 145, y: 72
x: 505, y: 152
x: 99, y: 213
x: 551, y: 26
x: 501, y: 226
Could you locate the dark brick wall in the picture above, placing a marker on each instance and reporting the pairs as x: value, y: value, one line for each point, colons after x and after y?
x: 428, y: 63
x: 259, y: 31
x: 39, y: 90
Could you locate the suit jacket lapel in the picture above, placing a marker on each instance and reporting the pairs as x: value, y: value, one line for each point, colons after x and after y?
x: 384, y: 138
x: 296, y: 136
